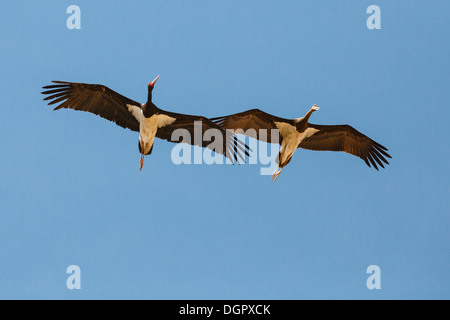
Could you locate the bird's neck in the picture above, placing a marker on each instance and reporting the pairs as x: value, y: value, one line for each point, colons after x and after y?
x: 149, y: 107
x: 149, y: 96
x: 302, y: 123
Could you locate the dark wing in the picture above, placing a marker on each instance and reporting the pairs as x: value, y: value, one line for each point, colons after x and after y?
x: 345, y: 138
x: 195, y: 127
x: 251, y: 122
x: 94, y: 98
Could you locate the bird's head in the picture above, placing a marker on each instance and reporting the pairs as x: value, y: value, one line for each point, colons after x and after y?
x: 315, y: 107
x: 151, y: 84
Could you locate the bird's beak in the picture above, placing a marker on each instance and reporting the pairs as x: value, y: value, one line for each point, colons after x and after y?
x: 153, y: 82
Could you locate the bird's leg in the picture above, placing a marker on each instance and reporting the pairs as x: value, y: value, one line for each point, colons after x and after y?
x: 276, y: 175
x: 142, y: 161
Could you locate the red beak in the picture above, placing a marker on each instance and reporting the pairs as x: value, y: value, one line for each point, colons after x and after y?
x: 153, y: 82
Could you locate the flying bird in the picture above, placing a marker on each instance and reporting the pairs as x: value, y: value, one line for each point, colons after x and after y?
x: 292, y: 134
x: 145, y: 118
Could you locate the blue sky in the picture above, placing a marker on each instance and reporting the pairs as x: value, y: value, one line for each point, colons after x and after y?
x: 71, y: 192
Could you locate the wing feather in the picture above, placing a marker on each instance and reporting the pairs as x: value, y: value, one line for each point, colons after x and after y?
x: 346, y: 138
x: 94, y: 98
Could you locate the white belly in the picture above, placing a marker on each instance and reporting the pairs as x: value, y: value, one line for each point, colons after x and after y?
x: 147, y: 132
x: 291, y: 140
x: 288, y: 146
x: 148, y: 126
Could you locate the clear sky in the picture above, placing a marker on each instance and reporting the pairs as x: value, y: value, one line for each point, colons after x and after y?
x: 71, y: 192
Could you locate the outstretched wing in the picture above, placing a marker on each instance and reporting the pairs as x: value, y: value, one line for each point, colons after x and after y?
x: 251, y: 122
x: 94, y: 98
x: 196, y: 127
x: 346, y: 138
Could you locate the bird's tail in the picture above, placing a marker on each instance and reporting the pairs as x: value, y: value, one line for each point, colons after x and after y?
x: 140, y: 148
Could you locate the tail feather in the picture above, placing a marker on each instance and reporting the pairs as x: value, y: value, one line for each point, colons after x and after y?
x: 140, y: 148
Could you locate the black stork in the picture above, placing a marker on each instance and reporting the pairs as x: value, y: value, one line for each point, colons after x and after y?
x: 299, y: 133
x: 146, y: 118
